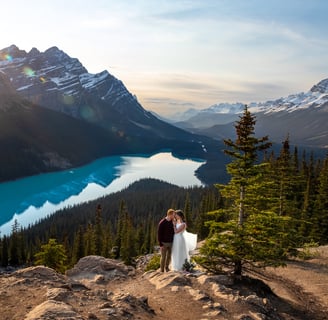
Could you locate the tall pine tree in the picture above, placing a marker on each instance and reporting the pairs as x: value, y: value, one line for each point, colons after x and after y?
x: 246, y: 230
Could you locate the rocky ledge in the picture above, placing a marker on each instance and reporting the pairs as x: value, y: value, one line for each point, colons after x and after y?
x: 100, y: 288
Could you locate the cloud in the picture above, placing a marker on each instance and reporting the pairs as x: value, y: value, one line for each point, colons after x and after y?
x: 167, y: 101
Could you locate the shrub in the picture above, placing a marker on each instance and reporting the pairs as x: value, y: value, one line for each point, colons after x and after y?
x: 154, y: 263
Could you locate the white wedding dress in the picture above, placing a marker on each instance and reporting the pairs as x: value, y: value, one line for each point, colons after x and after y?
x: 183, y: 243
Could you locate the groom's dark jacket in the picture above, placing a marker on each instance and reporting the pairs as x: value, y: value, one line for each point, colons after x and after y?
x: 165, y: 231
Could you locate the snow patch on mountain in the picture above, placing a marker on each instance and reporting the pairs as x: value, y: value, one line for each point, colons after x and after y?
x: 52, y: 77
x: 291, y: 103
x: 314, y: 98
x: 226, y: 108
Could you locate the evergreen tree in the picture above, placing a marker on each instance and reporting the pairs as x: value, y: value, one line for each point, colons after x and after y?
x: 153, y: 236
x: 107, y: 240
x: 52, y: 255
x: 4, y: 252
x: 309, y: 177
x: 119, y: 230
x: 150, y: 236
x: 319, y: 218
x: 14, y: 247
x: 210, y: 202
x: 246, y: 230
x: 288, y: 189
x: 283, y: 175
x: 90, y: 241
x: 140, y: 240
x: 128, y: 249
x: 98, y: 231
x: 78, y: 246
x: 188, y: 213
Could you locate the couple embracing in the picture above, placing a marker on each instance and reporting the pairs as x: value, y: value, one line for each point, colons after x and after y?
x: 175, y: 241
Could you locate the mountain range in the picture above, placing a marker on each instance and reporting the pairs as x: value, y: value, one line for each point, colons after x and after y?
x: 303, y: 117
x: 55, y: 115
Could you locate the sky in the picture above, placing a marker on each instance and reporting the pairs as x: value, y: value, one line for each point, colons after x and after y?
x: 180, y: 54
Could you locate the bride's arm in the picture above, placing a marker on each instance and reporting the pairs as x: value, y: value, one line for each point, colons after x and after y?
x: 180, y: 228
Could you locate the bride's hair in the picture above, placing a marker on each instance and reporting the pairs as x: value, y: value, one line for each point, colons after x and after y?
x: 180, y: 214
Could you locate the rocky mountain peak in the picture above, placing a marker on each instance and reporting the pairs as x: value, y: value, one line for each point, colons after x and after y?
x: 11, y: 52
x: 56, y: 81
x: 321, y: 87
x: 54, y: 52
x: 34, y: 52
x: 59, y: 82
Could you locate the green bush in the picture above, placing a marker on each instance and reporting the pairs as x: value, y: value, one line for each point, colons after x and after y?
x: 154, y: 263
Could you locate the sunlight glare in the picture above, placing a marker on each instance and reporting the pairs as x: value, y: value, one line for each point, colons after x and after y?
x: 8, y: 57
x: 29, y: 72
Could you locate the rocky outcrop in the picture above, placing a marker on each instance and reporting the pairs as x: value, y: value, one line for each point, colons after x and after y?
x: 218, y: 293
x: 99, y: 270
x: 100, y: 288
x: 51, y: 309
x: 83, y: 293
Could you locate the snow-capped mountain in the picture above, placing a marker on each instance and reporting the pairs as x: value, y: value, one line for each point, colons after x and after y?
x: 54, y: 80
x: 73, y: 106
x: 225, y: 108
x: 302, y: 116
x: 315, y: 98
x: 215, y: 114
x: 59, y: 82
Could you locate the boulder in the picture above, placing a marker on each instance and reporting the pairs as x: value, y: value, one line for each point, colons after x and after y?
x: 52, y: 309
x: 99, y: 269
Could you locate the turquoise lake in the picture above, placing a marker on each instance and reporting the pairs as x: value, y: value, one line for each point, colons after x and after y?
x: 29, y: 199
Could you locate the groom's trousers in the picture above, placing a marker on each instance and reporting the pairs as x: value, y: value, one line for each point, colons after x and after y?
x: 166, y: 251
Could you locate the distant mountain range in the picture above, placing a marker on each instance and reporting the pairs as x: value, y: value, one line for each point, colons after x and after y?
x: 303, y: 117
x: 56, y: 115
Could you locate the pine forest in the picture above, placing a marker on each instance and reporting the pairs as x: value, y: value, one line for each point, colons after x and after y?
x: 273, y: 204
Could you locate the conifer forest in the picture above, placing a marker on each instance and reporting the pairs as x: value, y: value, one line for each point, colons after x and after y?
x: 272, y: 205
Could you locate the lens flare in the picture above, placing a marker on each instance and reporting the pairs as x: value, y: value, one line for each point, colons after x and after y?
x: 42, y: 79
x: 67, y: 99
x: 87, y: 113
x: 8, y: 57
x: 29, y: 72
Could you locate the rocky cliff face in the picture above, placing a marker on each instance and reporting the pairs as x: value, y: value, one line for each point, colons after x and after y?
x: 54, y: 80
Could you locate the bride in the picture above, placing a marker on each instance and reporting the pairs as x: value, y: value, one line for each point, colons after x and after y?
x: 183, y: 242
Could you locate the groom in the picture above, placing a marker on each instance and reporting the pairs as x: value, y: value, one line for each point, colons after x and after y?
x: 165, y: 234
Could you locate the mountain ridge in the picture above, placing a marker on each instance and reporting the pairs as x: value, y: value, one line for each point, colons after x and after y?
x: 56, y: 81
x: 53, y: 81
x: 37, y: 139
x: 277, y: 118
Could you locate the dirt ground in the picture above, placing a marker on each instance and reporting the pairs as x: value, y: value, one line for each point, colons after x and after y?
x: 303, y: 282
x: 299, y: 292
